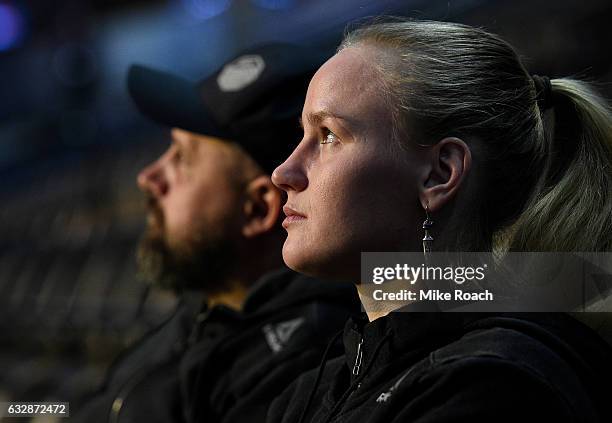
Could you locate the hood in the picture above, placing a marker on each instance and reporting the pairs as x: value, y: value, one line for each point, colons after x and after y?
x: 286, y: 288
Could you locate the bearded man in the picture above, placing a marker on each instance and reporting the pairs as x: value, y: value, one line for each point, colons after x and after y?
x: 245, y: 326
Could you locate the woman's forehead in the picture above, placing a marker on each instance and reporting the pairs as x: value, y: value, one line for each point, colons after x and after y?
x: 351, y: 69
x: 348, y: 85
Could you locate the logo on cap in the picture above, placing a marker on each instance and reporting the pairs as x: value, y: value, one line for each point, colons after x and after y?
x: 241, y: 72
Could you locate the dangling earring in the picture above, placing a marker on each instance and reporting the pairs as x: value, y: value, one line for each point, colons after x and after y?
x: 427, y: 238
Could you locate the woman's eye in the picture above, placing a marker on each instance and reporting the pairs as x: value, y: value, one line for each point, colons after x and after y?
x: 329, y: 137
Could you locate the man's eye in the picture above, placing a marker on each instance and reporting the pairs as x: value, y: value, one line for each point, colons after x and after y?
x: 329, y: 137
x: 179, y: 156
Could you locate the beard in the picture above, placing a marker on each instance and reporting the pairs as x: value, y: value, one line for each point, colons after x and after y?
x: 199, y: 263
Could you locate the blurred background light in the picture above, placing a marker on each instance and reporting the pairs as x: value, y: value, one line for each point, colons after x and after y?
x: 74, y: 64
x: 11, y: 26
x: 275, y: 4
x: 206, y: 9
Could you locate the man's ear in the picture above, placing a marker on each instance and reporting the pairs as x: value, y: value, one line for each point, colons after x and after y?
x: 451, y: 160
x: 262, y: 207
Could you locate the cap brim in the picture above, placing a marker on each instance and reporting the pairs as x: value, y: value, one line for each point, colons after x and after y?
x: 170, y: 100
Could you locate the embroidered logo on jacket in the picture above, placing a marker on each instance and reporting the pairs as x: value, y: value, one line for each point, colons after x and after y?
x: 383, y: 397
x: 278, y: 335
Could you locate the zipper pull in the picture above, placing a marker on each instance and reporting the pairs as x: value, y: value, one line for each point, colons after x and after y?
x: 197, y: 327
x: 357, y: 365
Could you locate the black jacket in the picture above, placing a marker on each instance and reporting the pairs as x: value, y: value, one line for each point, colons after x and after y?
x: 220, y: 365
x: 453, y: 367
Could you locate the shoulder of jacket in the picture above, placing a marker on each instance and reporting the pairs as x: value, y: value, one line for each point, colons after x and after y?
x: 503, y: 343
x: 499, y: 353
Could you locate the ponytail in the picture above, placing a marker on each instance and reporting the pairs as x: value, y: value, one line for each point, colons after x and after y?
x: 571, y: 208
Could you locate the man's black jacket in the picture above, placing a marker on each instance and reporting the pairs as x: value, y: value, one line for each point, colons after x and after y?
x: 453, y: 367
x: 219, y: 365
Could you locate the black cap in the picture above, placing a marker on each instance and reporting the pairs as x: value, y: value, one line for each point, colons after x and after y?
x: 254, y: 99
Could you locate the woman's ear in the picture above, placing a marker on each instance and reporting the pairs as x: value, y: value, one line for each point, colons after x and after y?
x: 262, y: 207
x: 451, y: 160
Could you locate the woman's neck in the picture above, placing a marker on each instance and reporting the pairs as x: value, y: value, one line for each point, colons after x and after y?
x: 370, y: 296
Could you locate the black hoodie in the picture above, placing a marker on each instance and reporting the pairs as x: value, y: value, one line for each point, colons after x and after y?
x: 454, y: 367
x: 220, y: 365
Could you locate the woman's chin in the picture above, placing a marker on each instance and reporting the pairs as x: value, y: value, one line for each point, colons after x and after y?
x: 315, y: 265
x: 295, y: 257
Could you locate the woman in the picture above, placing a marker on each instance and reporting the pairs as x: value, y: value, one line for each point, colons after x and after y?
x: 415, y: 119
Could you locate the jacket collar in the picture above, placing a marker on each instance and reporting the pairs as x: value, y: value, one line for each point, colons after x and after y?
x: 400, y: 334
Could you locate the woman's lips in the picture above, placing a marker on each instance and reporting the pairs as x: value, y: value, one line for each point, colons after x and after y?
x: 293, y: 216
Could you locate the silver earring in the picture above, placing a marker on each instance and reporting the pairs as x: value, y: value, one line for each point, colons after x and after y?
x: 427, y: 238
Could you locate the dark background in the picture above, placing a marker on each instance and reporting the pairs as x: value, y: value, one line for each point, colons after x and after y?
x: 71, y: 144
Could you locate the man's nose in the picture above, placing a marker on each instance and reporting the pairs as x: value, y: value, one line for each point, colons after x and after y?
x: 152, y: 180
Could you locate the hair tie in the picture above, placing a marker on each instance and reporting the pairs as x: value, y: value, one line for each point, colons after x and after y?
x: 543, y: 89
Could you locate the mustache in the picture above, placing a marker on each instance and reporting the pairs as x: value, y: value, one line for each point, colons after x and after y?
x: 154, y: 210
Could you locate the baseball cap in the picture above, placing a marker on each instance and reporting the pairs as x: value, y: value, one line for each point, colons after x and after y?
x: 254, y: 99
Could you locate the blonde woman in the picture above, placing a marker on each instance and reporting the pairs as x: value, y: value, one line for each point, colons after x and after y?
x: 414, y: 118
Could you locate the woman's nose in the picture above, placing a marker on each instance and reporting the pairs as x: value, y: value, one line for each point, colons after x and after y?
x: 290, y: 175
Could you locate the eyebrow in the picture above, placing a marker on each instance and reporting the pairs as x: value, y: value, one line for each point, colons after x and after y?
x: 188, y: 144
x: 315, y: 119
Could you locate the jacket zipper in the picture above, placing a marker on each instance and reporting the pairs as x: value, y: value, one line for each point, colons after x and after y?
x: 118, y: 402
x: 358, y: 358
x: 351, y: 390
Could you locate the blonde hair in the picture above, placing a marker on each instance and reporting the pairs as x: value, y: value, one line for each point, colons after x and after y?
x: 546, y: 175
